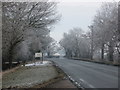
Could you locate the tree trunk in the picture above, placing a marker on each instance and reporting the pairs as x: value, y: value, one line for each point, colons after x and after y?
x: 67, y: 53
x: 111, y: 51
x: 102, y: 52
x: 42, y: 57
x: 76, y: 53
x: 48, y: 54
x: 91, y: 53
x: 119, y: 57
x: 11, y: 54
x: 118, y: 50
x: 92, y: 43
x: 10, y: 58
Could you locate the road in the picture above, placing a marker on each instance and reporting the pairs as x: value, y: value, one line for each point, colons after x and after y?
x: 88, y: 74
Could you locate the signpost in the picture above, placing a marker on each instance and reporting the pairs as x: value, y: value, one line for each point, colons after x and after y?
x: 39, y: 55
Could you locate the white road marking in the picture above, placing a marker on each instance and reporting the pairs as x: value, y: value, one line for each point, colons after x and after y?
x: 76, y: 83
x: 85, y: 82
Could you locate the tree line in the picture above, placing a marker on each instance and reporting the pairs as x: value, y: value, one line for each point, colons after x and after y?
x: 26, y: 29
x: 101, y: 42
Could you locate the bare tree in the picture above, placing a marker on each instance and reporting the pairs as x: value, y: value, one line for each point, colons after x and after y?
x: 20, y: 17
x: 76, y: 44
x: 105, y: 29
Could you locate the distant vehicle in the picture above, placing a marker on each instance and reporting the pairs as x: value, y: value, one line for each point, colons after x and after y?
x: 56, y: 55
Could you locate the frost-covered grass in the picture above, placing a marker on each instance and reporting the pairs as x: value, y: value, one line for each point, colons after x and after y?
x: 29, y: 76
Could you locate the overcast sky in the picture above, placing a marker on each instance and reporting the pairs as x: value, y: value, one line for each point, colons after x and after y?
x: 75, y: 13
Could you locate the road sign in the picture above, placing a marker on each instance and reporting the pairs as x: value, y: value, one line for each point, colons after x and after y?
x: 38, y: 54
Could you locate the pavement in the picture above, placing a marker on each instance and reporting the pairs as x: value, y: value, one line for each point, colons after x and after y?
x: 89, y: 74
x: 65, y: 83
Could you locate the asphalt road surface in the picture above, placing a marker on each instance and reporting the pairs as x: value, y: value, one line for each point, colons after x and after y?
x: 88, y: 74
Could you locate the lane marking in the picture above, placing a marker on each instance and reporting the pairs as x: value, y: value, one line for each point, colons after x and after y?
x: 84, y: 82
x: 75, y: 82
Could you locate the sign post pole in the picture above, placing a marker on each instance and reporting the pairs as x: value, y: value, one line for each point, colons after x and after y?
x: 39, y: 55
x: 42, y: 57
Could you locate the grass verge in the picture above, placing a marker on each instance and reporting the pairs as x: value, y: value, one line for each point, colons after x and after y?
x: 95, y: 61
x: 61, y: 75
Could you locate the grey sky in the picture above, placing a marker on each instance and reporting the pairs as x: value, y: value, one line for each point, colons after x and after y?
x: 74, y: 14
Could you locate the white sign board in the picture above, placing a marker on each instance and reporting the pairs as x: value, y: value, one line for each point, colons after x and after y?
x: 38, y: 54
